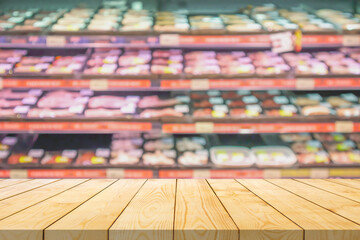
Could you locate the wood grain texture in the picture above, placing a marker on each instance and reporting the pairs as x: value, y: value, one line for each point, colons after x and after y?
x: 30, y: 223
x: 92, y: 219
x: 347, y: 182
x: 318, y: 223
x: 199, y: 215
x: 23, y: 187
x: 345, y: 191
x: 335, y: 203
x: 24, y: 200
x: 255, y: 219
x: 150, y: 215
x: 10, y: 182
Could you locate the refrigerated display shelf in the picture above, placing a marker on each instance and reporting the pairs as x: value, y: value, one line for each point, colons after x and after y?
x: 216, y: 126
x: 102, y: 83
x: 172, y: 40
x: 319, y: 172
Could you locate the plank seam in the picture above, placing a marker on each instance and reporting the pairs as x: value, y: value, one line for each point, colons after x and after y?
x: 176, y: 183
x: 342, y: 184
x: 43, y: 231
x: 125, y: 207
x: 44, y: 199
x: 315, y: 203
x: 303, y: 230
x: 328, y: 190
x: 224, y: 208
x: 25, y: 180
x: 29, y: 189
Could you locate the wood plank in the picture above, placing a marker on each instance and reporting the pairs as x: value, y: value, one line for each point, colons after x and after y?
x: 255, y: 219
x: 335, y: 203
x: 19, y: 202
x: 318, y: 223
x: 347, y: 182
x: 10, y: 182
x: 30, y: 223
x: 150, y: 215
x: 92, y: 219
x: 344, y: 191
x: 199, y: 215
x: 23, y: 187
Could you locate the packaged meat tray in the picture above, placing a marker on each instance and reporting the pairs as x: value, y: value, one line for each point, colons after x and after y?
x: 126, y: 157
x: 171, y: 22
x: 126, y: 150
x: 99, y: 157
x: 137, y: 21
x: 7, y: 144
x: 192, y: 151
x: 59, y: 158
x: 310, y: 153
x: 59, y: 103
x: 273, y: 156
x: 31, y: 158
x: 295, y: 137
x: 206, y: 23
x: 159, y: 158
x: 167, y: 62
x: 232, y: 156
x: 330, y: 137
x: 240, y: 23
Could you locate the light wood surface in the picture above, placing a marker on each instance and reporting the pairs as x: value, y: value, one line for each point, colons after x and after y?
x: 335, y: 203
x: 24, y: 200
x: 318, y: 223
x: 10, y: 182
x: 347, y: 182
x: 105, y: 209
x: 91, y: 220
x: 255, y: 219
x: 199, y: 215
x: 150, y: 215
x: 23, y: 187
x: 30, y: 223
x: 345, y: 191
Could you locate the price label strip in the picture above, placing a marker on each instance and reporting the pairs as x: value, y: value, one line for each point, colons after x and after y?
x: 305, y: 84
x: 55, y: 41
x: 344, y: 126
x: 169, y: 39
x: 204, y: 127
x: 200, y: 84
x: 351, y: 40
x: 282, y: 42
x: 99, y: 84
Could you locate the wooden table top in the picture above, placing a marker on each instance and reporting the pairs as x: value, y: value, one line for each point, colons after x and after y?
x: 213, y: 209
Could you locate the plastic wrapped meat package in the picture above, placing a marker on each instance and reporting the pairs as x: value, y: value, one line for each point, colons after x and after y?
x: 76, y: 19
x: 7, y: 144
x: 59, y: 103
x: 205, y: 23
x: 8, y: 59
x: 103, y: 61
x: 153, y: 106
x: 137, y: 20
x: 235, y: 63
x: 171, y: 22
x: 310, y: 152
x: 167, y: 62
x: 159, y: 152
x: 232, y: 156
x: 126, y: 151
x: 29, y: 158
x: 98, y: 157
x: 59, y: 158
x: 192, y: 151
x: 111, y: 106
x: 274, y: 156
x: 17, y: 103
x: 201, y: 63
x: 134, y: 62
x: 343, y: 152
x: 268, y: 63
x: 346, y: 21
x: 240, y: 23
x: 312, y: 104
